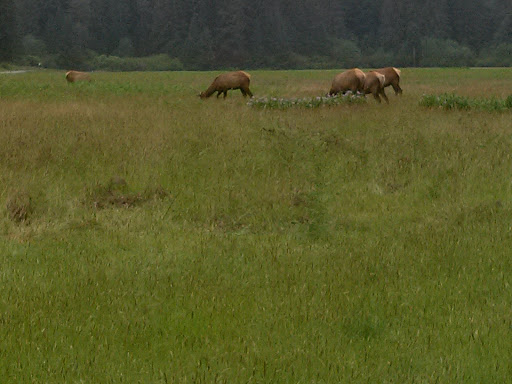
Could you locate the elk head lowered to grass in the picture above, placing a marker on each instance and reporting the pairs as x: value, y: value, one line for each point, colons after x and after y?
x: 72, y: 76
x: 350, y: 80
x: 232, y: 80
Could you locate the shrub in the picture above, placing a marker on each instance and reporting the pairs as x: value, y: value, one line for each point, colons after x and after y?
x: 33, y: 46
x: 49, y: 61
x: 508, y: 102
x: 450, y: 101
x: 444, y: 53
x: 29, y: 61
x: 345, y: 53
x: 379, y: 58
x: 498, y: 56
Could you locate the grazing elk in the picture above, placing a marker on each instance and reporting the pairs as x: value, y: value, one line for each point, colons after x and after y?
x: 232, y: 80
x: 374, y: 84
x: 392, y: 76
x: 72, y: 76
x: 350, y: 80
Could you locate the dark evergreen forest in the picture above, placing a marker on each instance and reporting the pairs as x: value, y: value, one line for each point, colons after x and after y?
x: 215, y: 34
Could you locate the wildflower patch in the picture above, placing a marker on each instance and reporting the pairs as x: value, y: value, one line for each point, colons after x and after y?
x: 305, y: 102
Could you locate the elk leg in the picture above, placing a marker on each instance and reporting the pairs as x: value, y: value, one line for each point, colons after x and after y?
x: 243, y: 92
x: 248, y: 91
x: 225, y: 94
x: 218, y: 94
x: 397, y: 89
x: 384, y: 95
x: 376, y: 96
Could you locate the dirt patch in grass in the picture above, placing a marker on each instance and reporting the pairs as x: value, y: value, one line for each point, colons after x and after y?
x: 19, y: 206
x: 116, y: 193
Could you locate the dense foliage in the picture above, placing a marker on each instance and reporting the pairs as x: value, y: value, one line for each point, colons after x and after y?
x: 205, y: 34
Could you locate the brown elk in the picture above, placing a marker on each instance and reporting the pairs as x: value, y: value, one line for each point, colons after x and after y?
x: 392, y: 76
x: 374, y: 84
x: 72, y: 76
x: 350, y: 80
x: 232, y: 80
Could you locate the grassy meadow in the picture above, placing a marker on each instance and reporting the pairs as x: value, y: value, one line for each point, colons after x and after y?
x: 148, y: 236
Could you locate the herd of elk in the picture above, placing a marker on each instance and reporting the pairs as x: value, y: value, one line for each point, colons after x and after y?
x: 353, y: 80
x: 374, y: 82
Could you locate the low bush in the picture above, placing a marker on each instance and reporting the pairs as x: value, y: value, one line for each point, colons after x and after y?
x: 445, y: 53
x: 5, y: 66
x: 496, y: 56
x: 345, y: 53
x: 450, y: 101
x: 29, y: 61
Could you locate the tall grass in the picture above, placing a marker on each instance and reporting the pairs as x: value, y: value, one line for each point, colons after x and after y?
x: 171, y: 239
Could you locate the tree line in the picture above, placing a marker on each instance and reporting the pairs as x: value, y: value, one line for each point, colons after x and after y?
x: 214, y: 34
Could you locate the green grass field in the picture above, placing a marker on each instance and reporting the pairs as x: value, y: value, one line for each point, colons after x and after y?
x: 149, y: 236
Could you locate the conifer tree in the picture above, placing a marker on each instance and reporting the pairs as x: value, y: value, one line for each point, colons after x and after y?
x: 8, y: 37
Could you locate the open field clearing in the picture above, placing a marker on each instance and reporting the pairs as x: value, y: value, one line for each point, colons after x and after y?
x: 150, y: 236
